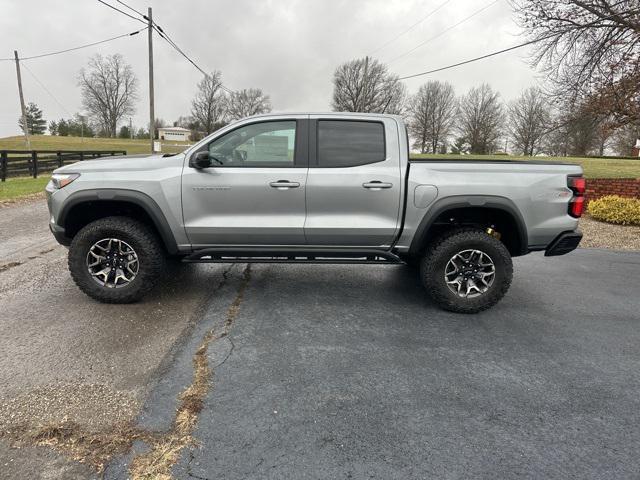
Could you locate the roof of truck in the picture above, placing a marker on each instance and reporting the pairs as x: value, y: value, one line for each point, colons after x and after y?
x: 345, y: 114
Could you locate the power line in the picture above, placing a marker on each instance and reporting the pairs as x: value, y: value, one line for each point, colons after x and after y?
x: 75, y: 48
x: 164, y: 35
x: 477, y: 12
x: 122, y: 12
x: 411, y: 27
x: 130, y: 8
x: 47, y: 90
x: 492, y: 54
x: 170, y: 41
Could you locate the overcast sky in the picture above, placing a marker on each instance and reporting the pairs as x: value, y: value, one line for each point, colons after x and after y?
x: 289, y: 48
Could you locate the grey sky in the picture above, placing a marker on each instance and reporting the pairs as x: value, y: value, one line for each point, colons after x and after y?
x: 289, y: 48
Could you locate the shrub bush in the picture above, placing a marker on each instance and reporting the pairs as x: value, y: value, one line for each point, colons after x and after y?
x: 615, y: 209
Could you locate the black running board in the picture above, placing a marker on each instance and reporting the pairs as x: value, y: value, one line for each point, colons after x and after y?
x: 287, y: 255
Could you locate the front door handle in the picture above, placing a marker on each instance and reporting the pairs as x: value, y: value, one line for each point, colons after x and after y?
x: 284, y: 184
x: 377, y: 185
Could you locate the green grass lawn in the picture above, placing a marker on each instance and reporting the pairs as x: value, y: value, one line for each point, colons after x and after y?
x: 18, y: 187
x: 49, y: 142
x: 593, y: 167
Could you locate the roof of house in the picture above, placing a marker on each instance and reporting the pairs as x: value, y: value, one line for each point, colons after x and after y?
x: 175, y: 129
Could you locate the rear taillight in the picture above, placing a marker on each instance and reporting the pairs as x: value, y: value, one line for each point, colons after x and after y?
x: 578, y: 186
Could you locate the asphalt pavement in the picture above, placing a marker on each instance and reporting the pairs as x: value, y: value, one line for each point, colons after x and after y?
x: 65, y: 357
x: 350, y: 372
x: 329, y: 371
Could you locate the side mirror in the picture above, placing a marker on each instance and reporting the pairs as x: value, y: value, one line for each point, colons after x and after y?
x: 200, y: 160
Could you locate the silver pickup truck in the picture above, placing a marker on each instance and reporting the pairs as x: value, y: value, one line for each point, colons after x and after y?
x: 313, y: 188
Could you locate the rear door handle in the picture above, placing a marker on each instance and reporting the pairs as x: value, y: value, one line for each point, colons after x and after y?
x: 377, y: 185
x: 284, y: 184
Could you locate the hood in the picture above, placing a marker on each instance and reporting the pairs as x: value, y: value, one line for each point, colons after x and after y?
x: 122, y: 163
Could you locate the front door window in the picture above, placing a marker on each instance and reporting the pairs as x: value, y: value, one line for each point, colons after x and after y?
x: 267, y: 144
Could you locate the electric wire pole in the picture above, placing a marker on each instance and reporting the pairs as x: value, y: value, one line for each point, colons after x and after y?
x: 152, y: 119
x: 25, y: 127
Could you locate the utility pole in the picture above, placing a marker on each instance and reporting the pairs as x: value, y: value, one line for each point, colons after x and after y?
x: 152, y: 117
x: 365, y: 82
x: 82, y: 120
x: 130, y: 129
x: 25, y: 127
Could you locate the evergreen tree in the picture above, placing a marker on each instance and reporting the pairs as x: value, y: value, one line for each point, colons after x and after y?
x: 124, y: 132
x: 36, y: 125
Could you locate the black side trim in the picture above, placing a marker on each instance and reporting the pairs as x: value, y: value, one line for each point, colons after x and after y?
x: 121, y: 195
x: 301, y: 155
x: 469, y: 201
x: 291, y: 255
x: 564, y: 243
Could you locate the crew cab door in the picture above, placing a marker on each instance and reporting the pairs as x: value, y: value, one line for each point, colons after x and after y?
x: 354, y: 182
x: 254, y: 191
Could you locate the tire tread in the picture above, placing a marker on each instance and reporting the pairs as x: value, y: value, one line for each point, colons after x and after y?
x: 441, y: 296
x: 147, y: 246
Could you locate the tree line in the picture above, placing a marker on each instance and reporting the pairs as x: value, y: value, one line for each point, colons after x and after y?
x: 590, y: 102
x: 589, y: 51
x: 109, y: 92
x: 478, y: 121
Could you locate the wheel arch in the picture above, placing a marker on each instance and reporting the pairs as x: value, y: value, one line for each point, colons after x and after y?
x: 454, y: 212
x: 83, y: 207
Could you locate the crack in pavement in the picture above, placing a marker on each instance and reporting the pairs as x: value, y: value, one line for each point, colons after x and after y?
x: 6, y: 266
x: 98, y: 448
x: 189, y: 471
x: 165, y: 448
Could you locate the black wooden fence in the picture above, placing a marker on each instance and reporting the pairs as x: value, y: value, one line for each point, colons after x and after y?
x: 21, y: 163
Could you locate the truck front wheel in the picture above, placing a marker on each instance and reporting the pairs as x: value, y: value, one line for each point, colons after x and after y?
x: 116, y: 259
x: 466, y: 271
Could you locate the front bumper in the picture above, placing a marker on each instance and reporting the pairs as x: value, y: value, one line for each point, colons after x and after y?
x: 564, y: 243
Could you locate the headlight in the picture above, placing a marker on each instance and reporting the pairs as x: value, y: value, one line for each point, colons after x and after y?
x: 60, y: 180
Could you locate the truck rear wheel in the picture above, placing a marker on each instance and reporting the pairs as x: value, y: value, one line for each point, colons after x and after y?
x: 116, y: 259
x: 466, y: 271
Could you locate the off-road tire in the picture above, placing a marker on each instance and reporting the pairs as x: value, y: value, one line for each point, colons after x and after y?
x: 439, y: 253
x: 151, y: 256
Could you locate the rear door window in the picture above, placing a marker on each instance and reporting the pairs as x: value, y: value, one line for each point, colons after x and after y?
x: 343, y: 143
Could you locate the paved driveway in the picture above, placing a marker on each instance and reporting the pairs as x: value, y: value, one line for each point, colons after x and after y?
x: 329, y: 371
x: 349, y: 372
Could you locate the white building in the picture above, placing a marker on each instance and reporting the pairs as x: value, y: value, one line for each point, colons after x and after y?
x: 174, y: 133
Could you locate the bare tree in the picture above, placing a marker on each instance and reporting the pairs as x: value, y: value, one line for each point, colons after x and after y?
x: 604, y: 132
x: 589, y: 49
x: 432, y: 112
x: 109, y: 91
x: 556, y: 142
x: 529, y: 119
x: 576, y: 131
x: 365, y: 85
x: 625, y: 138
x: 480, y: 119
x: 209, y: 107
x: 245, y: 103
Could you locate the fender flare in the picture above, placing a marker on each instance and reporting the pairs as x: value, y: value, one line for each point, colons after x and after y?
x: 137, y: 198
x: 469, y: 201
